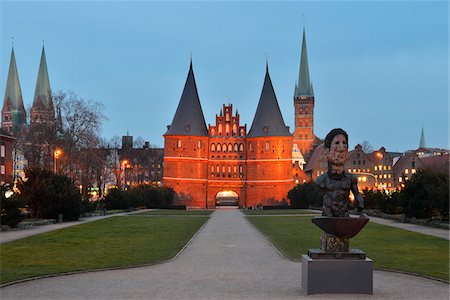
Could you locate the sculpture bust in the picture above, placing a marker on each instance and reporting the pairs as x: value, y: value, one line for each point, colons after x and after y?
x: 336, y: 182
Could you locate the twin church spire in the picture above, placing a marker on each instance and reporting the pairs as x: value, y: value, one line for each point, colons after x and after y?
x: 14, y: 116
x: 303, y: 87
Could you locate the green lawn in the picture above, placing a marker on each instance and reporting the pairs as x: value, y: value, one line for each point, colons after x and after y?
x: 271, y: 212
x: 390, y: 248
x: 113, y: 242
x: 177, y: 212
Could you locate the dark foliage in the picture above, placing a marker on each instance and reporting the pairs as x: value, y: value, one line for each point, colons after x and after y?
x: 390, y: 203
x: 306, y: 195
x: 117, y: 199
x: 47, y: 195
x: 144, y: 195
x: 10, y: 208
x: 427, y: 195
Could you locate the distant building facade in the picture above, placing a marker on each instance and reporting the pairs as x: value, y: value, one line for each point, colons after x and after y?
x: 6, y: 157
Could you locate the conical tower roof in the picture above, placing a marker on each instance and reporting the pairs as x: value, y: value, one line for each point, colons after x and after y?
x: 189, y: 119
x: 13, y: 90
x: 268, y: 120
x: 43, y: 92
x: 422, y: 140
x: 304, y: 87
x: 13, y: 93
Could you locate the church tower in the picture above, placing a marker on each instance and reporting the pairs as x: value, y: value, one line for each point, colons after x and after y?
x: 186, y: 149
x: 13, y: 112
x: 269, y: 151
x: 304, y: 138
x: 42, y: 111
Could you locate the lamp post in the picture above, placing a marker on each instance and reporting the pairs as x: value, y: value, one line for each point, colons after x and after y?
x: 123, y: 166
x: 380, y: 157
x: 56, y: 155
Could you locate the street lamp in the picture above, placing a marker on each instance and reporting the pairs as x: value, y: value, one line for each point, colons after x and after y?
x: 56, y: 155
x: 380, y: 157
x: 123, y: 166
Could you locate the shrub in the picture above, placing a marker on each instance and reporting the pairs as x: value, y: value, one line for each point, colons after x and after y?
x: 306, y: 195
x: 48, y: 195
x: 117, y: 199
x: 426, y: 195
x: 10, y: 208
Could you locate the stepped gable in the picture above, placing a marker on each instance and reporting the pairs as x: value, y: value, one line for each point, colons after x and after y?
x: 189, y: 119
x: 268, y: 120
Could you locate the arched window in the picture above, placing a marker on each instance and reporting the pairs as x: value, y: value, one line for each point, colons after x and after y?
x: 230, y: 148
x: 224, y: 147
x: 212, y: 169
x: 240, y: 170
x: 219, y: 148
x: 229, y: 169
x: 235, y: 147
x: 234, y: 129
x: 220, y: 129
x: 217, y: 169
x: 227, y: 118
x: 223, y: 169
x: 242, y: 132
x: 213, y: 148
x: 267, y: 145
x: 249, y: 146
x: 227, y: 129
x: 199, y: 145
x: 179, y: 143
x: 241, y: 148
x: 234, y: 169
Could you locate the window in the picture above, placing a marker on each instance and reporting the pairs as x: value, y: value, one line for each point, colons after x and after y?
x: 229, y: 169
x: 2, y: 151
x: 199, y: 145
x: 234, y: 169
x: 230, y: 148
x: 212, y: 169
x: 376, y: 168
x: 2, y: 169
x: 413, y: 164
x: 234, y: 129
x: 267, y: 145
x: 241, y: 147
x: 406, y: 171
x: 235, y: 147
x: 227, y: 129
x: 413, y: 171
x: 223, y: 169
x: 219, y: 148
x: 220, y: 129
x: 213, y: 148
x: 400, y: 179
x: 179, y: 143
x: 227, y: 117
x: 224, y: 148
x: 250, y: 146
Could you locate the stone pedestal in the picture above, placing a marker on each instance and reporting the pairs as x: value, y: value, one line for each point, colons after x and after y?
x: 337, y: 273
x: 331, y: 243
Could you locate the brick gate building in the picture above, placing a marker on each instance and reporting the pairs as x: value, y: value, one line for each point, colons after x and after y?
x: 203, y: 163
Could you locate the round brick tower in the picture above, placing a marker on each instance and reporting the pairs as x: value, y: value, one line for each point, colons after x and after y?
x: 186, y: 149
x: 269, y: 152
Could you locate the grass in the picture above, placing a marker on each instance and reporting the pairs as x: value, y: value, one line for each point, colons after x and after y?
x: 176, y: 212
x: 390, y: 248
x: 278, y: 212
x: 113, y: 242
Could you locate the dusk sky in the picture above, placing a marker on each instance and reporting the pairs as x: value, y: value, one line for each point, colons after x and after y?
x: 379, y: 69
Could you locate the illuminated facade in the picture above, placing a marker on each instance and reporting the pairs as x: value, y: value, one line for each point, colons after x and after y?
x: 224, y: 163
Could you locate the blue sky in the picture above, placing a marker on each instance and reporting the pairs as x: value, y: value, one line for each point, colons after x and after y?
x: 379, y: 69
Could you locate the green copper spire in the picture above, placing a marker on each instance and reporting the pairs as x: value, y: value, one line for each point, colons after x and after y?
x: 304, y: 84
x: 13, y: 101
x: 422, y: 140
x: 43, y: 92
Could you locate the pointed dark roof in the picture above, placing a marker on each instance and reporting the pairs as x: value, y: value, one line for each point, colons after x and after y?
x: 422, y: 143
x: 304, y: 87
x: 189, y: 119
x: 43, y: 91
x: 268, y: 120
x: 13, y: 91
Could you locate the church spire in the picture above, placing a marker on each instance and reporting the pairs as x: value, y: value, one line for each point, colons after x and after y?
x: 42, y: 93
x: 189, y: 119
x: 268, y: 120
x: 422, y: 140
x: 13, y: 102
x: 304, y: 87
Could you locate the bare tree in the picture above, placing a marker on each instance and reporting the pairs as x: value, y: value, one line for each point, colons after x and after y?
x: 367, y: 147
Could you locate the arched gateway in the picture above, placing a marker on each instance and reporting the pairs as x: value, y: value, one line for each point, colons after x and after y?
x: 227, y: 198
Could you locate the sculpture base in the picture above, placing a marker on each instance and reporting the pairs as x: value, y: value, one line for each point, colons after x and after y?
x: 331, y: 243
x: 337, y: 276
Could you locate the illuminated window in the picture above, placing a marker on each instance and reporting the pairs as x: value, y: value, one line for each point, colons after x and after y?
x: 364, y: 179
x: 406, y: 171
x: 413, y: 171
x: 354, y: 170
x: 379, y: 167
x: 349, y: 170
x: 400, y: 179
x: 384, y: 168
x: 384, y: 176
x: 389, y: 167
x: 376, y: 168
x: 389, y: 184
x: 2, y: 151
